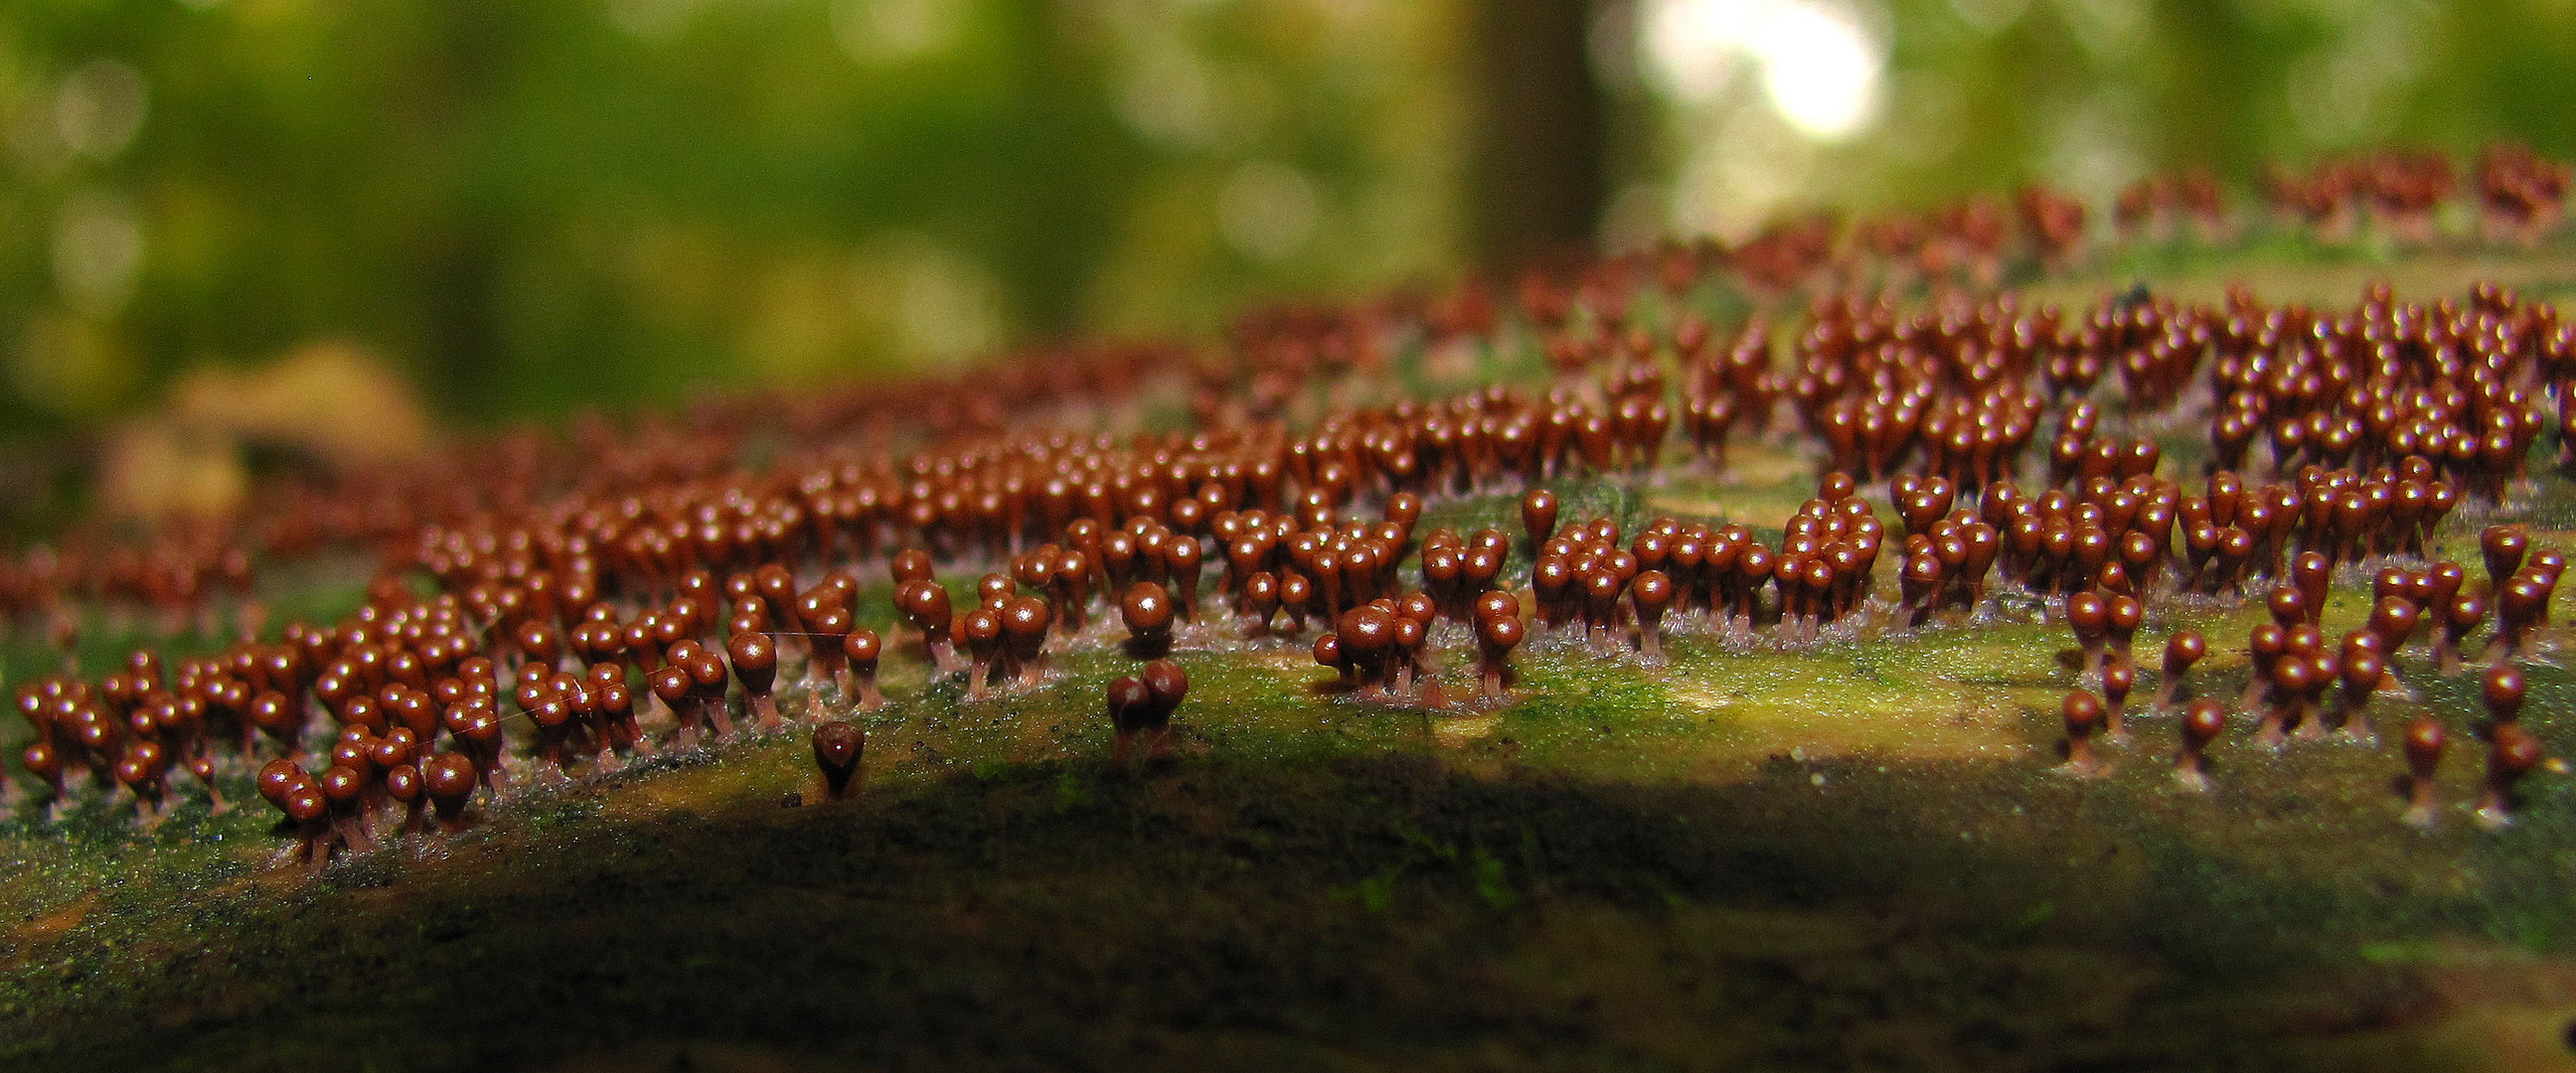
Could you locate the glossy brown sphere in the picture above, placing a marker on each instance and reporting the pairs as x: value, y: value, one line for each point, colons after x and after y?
x: 1146, y: 609
x: 403, y: 783
x: 2424, y: 740
x: 1652, y: 592
x: 838, y: 747
x: 2184, y: 648
x: 2503, y: 693
x: 1129, y: 702
x: 911, y: 564
x: 926, y: 604
x: 2289, y: 606
x: 276, y: 779
x: 1538, y: 515
x: 1166, y: 684
x: 2202, y: 723
x: 862, y: 646
x: 1024, y: 624
x: 2504, y: 547
x: 1328, y: 653
x: 2083, y: 713
x: 2089, y: 616
x: 1365, y: 631
x: 755, y: 661
x: 450, y: 779
x: 2117, y: 680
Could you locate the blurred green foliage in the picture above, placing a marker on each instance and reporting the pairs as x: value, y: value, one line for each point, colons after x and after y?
x: 539, y: 204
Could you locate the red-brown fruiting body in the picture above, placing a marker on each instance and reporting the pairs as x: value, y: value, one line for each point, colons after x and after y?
x: 1147, y: 611
x: 2394, y: 618
x: 908, y: 565
x: 925, y: 604
x: 670, y: 685
x: 141, y: 772
x: 2182, y: 650
x: 1367, y: 636
x: 2512, y: 754
x: 707, y: 677
x: 2503, y: 692
x: 2465, y: 613
x: 277, y: 779
x: 2504, y: 547
x: 1166, y: 685
x: 2083, y: 714
x: 992, y: 589
x: 2090, y: 617
x: 2289, y: 606
x: 1538, y: 517
x: 2202, y: 723
x: 2522, y: 607
x: 2118, y: 678
x: 1181, y: 564
x: 1130, y: 706
x: 1328, y: 653
x: 2264, y: 647
x: 2425, y: 737
x: 981, y: 629
x: 311, y: 813
x: 1260, y: 601
x: 1024, y: 632
x: 1498, y: 631
x: 2122, y: 615
x: 755, y: 665
x: 838, y: 749
x: 2363, y: 672
x: 862, y: 647
x: 343, y: 788
x: 404, y: 785
x: 273, y: 714
x: 2313, y: 576
x: 450, y: 779
x: 2285, y: 701
x: 1651, y: 592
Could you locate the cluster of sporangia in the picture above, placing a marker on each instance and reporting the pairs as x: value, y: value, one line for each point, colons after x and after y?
x: 622, y: 594
x: 184, y: 574
x: 2295, y: 669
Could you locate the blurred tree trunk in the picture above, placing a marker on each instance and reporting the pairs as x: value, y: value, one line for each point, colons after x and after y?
x: 1536, y: 183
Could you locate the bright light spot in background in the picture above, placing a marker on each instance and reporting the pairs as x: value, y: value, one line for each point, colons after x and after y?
x: 1819, y: 64
x: 98, y: 249
x: 889, y: 31
x: 1266, y: 210
x: 1819, y: 70
x: 1692, y: 46
x: 99, y: 107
